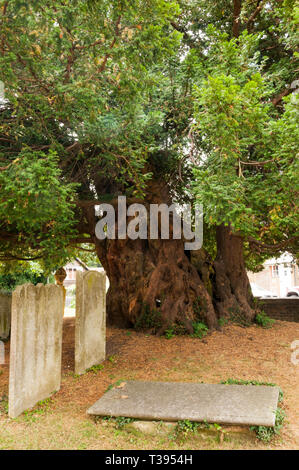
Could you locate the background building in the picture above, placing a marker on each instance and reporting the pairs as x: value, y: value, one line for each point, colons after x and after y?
x: 278, y: 277
x: 71, y: 269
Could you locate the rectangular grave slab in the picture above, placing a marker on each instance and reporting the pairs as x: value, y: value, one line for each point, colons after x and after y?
x: 36, y: 340
x: 170, y: 401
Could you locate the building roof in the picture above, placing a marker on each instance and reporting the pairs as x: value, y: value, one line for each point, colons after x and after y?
x: 284, y: 258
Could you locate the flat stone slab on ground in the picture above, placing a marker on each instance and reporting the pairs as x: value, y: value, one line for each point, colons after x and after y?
x: 171, y: 401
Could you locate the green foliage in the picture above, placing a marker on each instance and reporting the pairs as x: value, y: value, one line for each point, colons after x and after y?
x: 86, y: 252
x: 95, y: 369
x: 4, y: 404
x: 247, y: 146
x: 35, y: 207
x: 112, y: 359
x: 199, y: 306
x: 116, y: 384
x: 266, y: 434
x: 263, y: 320
x: 223, y: 321
x: 169, y: 333
x: 101, y: 95
x: 150, y: 319
x: 174, y: 329
x: 20, y: 273
x: 254, y: 260
x: 41, y: 408
x: 236, y: 316
x: 200, y: 330
x: 185, y: 427
x: 77, y: 78
x: 121, y: 421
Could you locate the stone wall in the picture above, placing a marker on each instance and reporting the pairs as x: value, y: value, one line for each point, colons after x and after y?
x: 281, y: 309
x: 36, y: 345
x: 90, y: 337
x: 5, y: 314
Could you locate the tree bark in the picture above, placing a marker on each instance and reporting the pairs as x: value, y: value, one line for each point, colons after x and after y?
x: 236, y: 17
x: 232, y: 292
x: 153, y: 284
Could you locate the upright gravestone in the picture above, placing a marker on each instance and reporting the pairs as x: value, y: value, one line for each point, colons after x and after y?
x: 90, y: 336
x: 5, y: 314
x: 36, y: 345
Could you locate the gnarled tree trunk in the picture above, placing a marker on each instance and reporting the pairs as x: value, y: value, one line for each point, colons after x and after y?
x: 232, y: 292
x: 152, y: 282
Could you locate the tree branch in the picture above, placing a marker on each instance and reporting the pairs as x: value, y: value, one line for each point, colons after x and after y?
x: 103, y: 65
x: 83, y: 249
x: 182, y: 30
x: 70, y: 62
x: 265, y: 247
x: 252, y: 17
x: 4, y: 8
x: 277, y: 99
x: 256, y: 163
x: 236, y: 18
x: 10, y: 257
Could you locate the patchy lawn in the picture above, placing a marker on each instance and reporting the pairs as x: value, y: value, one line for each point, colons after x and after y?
x: 241, y: 353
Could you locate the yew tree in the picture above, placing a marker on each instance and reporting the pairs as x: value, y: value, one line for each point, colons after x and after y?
x: 247, y: 172
x: 160, y: 101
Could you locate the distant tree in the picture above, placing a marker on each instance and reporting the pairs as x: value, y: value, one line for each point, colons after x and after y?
x: 12, y: 276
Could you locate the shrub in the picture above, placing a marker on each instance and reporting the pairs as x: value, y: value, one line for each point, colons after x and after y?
x: 200, y: 329
x: 263, y: 320
x: 149, y: 319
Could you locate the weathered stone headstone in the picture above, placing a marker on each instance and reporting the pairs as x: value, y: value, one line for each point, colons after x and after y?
x: 90, y: 336
x: 168, y: 401
x: 36, y: 345
x: 5, y: 314
x: 2, y: 353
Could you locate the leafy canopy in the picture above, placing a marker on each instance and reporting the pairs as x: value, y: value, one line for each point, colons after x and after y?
x: 76, y: 75
x: 100, y: 96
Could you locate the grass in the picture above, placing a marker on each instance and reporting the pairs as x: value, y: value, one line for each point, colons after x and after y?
x: 67, y: 430
x: 40, y: 409
x: 95, y: 369
x: 61, y: 423
x: 263, y: 320
x: 4, y: 405
x: 266, y: 434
